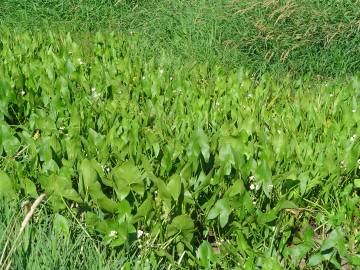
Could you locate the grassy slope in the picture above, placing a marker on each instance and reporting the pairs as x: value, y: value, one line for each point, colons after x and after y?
x: 300, y: 37
x: 218, y: 32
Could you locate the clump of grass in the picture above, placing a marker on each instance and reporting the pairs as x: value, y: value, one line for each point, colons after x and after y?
x: 5, y: 259
x: 302, y: 36
x: 297, y: 37
x: 46, y: 245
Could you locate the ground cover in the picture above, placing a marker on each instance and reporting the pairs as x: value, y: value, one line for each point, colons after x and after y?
x: 159, y: 163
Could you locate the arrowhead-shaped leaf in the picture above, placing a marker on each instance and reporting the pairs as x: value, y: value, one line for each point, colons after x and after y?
x: 174, y: 186
x: 221, y: 209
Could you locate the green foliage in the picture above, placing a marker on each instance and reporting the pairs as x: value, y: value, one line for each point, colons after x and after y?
x: 186, y: 166
x: 298, y: 36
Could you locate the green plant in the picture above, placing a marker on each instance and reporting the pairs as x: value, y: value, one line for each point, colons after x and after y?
x: 188, y: 166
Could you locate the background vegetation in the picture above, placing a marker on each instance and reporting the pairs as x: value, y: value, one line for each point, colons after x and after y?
x: 300, y: 37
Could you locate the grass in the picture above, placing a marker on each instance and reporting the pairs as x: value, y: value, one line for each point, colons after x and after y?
x: 316, y: 38
x: 49, y: 244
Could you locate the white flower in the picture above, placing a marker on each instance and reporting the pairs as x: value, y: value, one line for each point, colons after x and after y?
x: 249, y: 96
x: 61, y: 128
x: 105, y: 168
x: 143, y: 77
x: 23, y: 92
x: 342, y: 164
x: 131, y: 33
x: 353, y: 138
x: 252, y: 187
x: 80, y: 61
x: 95, y: 95
x: 139, y: 233
x: 354, y: 110
x: 252, y: 178
x: 331, y: 95
x: 171, y: 78
x: 93, y: 89
x: 113, y: 234
x: 358, y: 161
x: 161, y: 71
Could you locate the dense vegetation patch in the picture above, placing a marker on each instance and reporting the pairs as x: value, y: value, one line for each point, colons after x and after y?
x: 180, y: 165
x: 299, y: 36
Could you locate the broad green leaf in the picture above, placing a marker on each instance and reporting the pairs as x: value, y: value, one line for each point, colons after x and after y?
x: 50, y: 166
x: 174, y: 186
x: 95, y: 138
x: 11, y: 145
x: 183, y: 225
x: 273, y: 214
x: 45, y: 152
x: 357, y: 183
x: 315, y: 259
x: 69, y: 67
x: 304, y: 179
x: 279, y: 144
x: 127, y: 177
x: 75, y: 122
x: 226, y: 157
x: 121, y: 235
x: 101, y: 174
x: 59, y: 187
x: 335, y: 239
x: 199, y: 143
x: 299, y: 251
x: 237, y: 188
x: 268, y: 216
x: 285, y: 204
x: 263, y: 174
x: 205, y: 254
x: 89, y: 185
x: 7, y: 186
x: 88, y: 178
x: 145, y: 208
x: 203, y: 142
x: 95, y: 223
x: 222, y: 210
x: 355, y: 259
x: 29, y: 187
x: 164, y: 195
x: 271, y: 263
